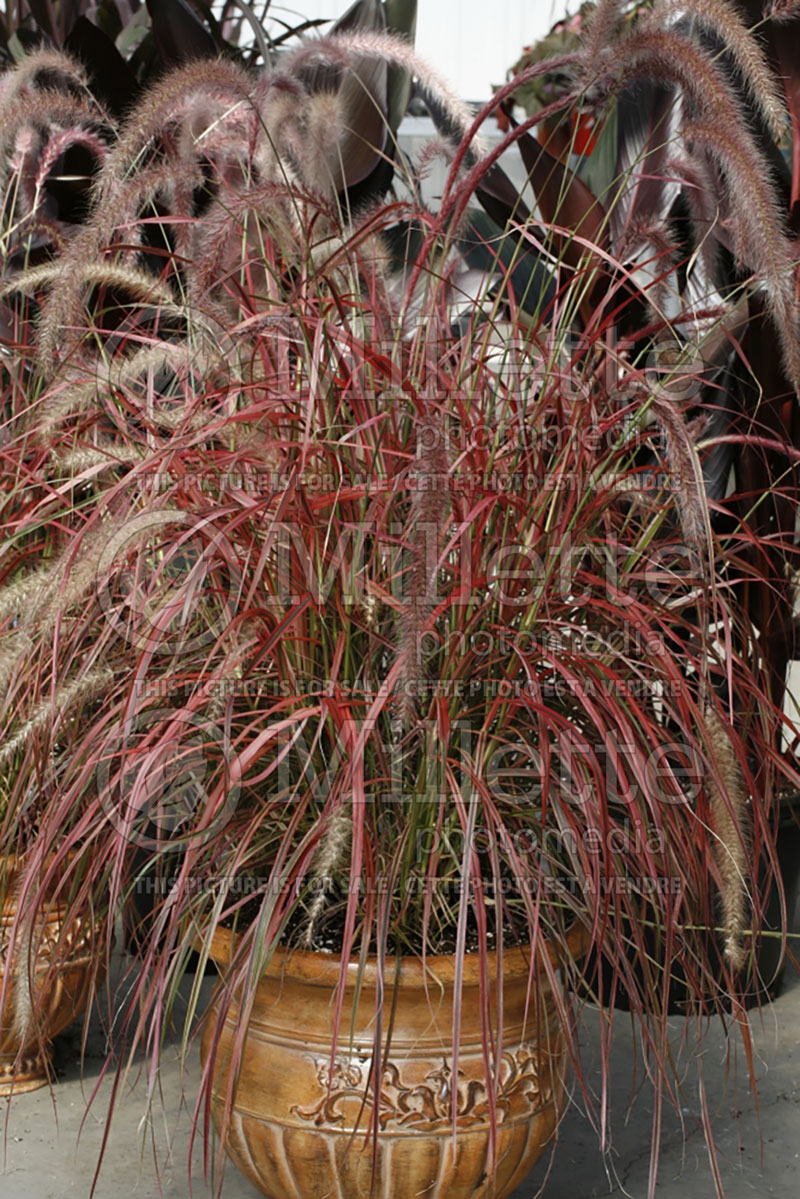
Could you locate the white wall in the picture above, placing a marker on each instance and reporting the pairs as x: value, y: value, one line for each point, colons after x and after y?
x: 471, y: 42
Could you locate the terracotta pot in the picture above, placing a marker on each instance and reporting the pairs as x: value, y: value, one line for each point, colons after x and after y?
x: 38, y: 1004
x: 297, y: 1132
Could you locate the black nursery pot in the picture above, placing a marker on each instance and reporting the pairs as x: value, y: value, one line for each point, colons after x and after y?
x: 767, y: 973
x: 770, y: 967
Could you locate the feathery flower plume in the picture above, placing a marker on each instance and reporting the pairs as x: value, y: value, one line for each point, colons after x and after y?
x: 46, y: 108
x: 300, y: 135
x: 24, y: 958
x: 207, y: 106
x: 197, y: 96
x: 70, y: 398
x: 603, y: 26
x: 782, y: 10
x: 50, y: 77
x: 721, y: 17
x: 62, y: 141
x: 44, y: 594
x: 729, y: 825
x: 52, y: 711
x: 330, y: 857
x: 759, y: 240
x: 47, y: 70
x: 344, y: 48
x: 65, y: 286
x: 686, y: 474
x: 429, y: 506
x: 719, y: 129
x: 75, y: 394
x: 25, y: 128
x: 143, y: 286
x: 106, y: 455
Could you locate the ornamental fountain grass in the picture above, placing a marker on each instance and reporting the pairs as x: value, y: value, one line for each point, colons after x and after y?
x: 430, y: 648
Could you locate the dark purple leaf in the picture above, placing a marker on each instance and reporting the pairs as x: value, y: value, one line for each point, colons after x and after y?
x: 363, y: 94
x: 42, y: 12
x: 564, y: 200
x: 647, y: 189
x: 111, y: 79
x: 180, y: 34
x: 363, y: 14
x: 500, y: 198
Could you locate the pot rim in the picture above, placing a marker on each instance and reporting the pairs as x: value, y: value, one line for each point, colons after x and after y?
x: 321, y: 969
x: 11, y: 866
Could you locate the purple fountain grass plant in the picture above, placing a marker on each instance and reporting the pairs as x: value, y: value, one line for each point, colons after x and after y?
x: 339, y: 611
x: 205, y: 113
x: 45, y: 107
x: 53, y: 135
x: 716, y: 126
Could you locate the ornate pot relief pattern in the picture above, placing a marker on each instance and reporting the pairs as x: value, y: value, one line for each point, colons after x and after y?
x: 300, y: 1127
x: 429, y: 1105
x: 40, y: 1002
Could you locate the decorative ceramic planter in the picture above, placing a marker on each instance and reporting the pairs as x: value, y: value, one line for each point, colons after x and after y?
x: 39, y: 1003
x: 296, y: 1131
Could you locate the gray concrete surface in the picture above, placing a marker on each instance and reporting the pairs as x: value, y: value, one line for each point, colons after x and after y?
x: 759, y: 1148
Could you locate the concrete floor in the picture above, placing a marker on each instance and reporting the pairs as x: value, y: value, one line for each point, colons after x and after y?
x: 758, y: 1155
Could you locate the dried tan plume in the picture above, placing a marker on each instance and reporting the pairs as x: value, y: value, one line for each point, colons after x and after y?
x: 104, y: 456
x: 144, y: 287
x: 729, y: 824
x: 52, y: 711
x: 330, y: 857
x: 38, y: 599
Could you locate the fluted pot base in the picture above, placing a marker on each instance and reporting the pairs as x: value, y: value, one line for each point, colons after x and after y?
x: 299, y: 1127
x: 27, y: 1075
x: 47, y: 973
